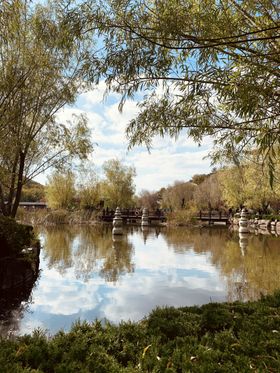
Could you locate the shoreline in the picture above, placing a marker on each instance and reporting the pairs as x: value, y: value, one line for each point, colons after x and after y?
x: 79, y: 217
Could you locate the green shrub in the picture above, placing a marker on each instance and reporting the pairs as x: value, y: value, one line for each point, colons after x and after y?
x: 182, y: 217
x: 55, y: 217
x: 226, y: 337
x: 13, y: 236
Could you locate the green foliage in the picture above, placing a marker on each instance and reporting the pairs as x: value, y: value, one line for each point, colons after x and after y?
x: 60, y: 190
x: 90, y: 196
x: 41, y: 72
x: 249, y: 184
x: 215, y: 317
x: 232, y: 183
x: 178, y: 196
x: 206, y: 67
x: 182, y: 217
x: 118, y: 186
x: 33, y: 192
x: 13, y: 236
x: 226, y: 337
x: 88, y: 187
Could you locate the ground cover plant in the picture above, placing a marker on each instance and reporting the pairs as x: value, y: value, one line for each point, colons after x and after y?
x: 226, y: 337
x: 14, y: 237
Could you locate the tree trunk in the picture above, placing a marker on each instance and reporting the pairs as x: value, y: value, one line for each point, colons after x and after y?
x: 19, y: 184
x: 12, y: 185
x: 2, y: 201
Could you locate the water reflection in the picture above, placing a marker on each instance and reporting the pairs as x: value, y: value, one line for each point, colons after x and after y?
x: 118, y: 261
x: 58, y: 247
x: 249, y: 266
x: 17, y: 278
x: 88, y: 250
x: 87, y: 273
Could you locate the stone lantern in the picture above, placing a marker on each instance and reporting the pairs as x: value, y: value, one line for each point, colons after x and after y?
x: 117, y: 223
x: 243, y: 222
x: 145, y: 217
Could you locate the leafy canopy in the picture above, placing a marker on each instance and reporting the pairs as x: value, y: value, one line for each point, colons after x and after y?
x: 41, y: 71
x: 207, y: 67
x: 118, y: 186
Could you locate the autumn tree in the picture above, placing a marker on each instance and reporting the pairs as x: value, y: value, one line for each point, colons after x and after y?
x: 198, y: 178
x: 118, y: 187
x: 33, y: 192
x: 148, y: 199
x: 207, y: 67
x: 179, y: 195
x: 41, y: 71
x: 60, y: 190
x: 208, y: 194
x: 88, y: 187
x: 257, y: 189
x: 249, y: 184
x: 232, y: 183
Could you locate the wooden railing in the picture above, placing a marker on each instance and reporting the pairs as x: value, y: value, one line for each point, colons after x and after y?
x: 214, y: 216
x: 132, y: 214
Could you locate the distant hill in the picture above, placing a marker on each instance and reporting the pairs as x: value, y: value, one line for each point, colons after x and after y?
x: 33, y: 191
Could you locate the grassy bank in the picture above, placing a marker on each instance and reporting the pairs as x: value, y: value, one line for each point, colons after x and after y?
x: 236, y: 337
x: 57, y: 217
x: 14, y: 237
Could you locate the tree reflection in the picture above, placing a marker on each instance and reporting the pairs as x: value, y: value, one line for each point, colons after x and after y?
x: 93, y: 245
x: 119, y: 260
x: 249, y: 272
x: 17, y: 278
x: 88, y: 250
x: 58, y: 242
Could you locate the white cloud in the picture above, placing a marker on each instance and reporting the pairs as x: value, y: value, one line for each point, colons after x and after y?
x: 168, y: 161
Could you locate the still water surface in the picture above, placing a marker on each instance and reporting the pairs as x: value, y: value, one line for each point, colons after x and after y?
x: 85, y: 275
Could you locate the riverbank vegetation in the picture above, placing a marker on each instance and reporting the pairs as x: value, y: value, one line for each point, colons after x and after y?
x: 225, y: 337
x: 81, y: 196
x: 90, y: 192
x: 14, y: 237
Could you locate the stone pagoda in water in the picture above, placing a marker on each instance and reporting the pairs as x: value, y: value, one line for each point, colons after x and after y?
x: 117, y: 223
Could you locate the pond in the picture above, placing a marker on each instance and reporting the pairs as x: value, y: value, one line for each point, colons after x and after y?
x: 85, y: 275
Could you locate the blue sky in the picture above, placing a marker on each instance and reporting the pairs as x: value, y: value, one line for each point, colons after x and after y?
x: 168, y: 161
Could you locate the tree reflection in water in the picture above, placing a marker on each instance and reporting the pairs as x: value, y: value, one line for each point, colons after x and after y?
x: 58, y: 242
x: 88, y: 249
x: 118, y: 262
x: 249, y: 272
x: 17, y: 279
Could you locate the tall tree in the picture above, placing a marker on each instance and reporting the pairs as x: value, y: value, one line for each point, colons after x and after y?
x: 248, y: 184
x: 232, y: 183
x: 88, y: 187
x: 118, y: 186
x: 148, y: 199
x: 208, y: 67
x: 208, y: 193
x: 40, y: 72
x: 258, y: 192
x: 179, y: 195
x: 60, y: 190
